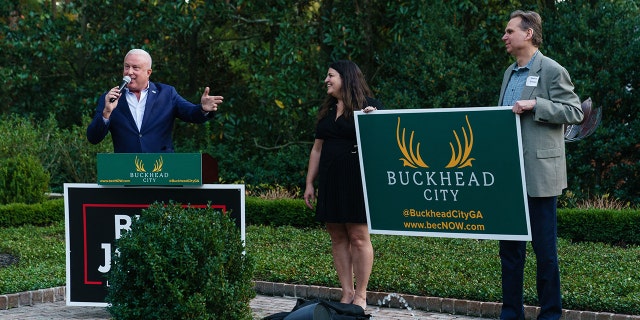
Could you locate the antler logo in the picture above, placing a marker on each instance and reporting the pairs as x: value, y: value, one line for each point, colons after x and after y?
x: 460, y: 155
x: 157, y: 166
x: 411, y: 159
x: 139, y: 165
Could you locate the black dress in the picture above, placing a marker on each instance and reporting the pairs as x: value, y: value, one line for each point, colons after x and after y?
x: 340, y: 194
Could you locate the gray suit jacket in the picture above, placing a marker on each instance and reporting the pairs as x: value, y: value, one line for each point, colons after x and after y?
x: 543, y: 128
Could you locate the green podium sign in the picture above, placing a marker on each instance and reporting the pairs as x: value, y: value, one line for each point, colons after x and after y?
x: 454, y: 173
x: 150, y: 169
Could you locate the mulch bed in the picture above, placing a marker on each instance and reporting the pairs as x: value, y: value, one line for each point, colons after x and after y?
x: 7, y: 260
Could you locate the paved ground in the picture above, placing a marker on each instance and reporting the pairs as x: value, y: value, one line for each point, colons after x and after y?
x: 273, y: 297
x: 262, y: 306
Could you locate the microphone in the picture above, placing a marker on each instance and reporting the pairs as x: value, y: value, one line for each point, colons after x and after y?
x: 125, y: 82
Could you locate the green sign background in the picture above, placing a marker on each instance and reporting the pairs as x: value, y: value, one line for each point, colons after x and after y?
x: 444, y: 173
x: 150, y: 169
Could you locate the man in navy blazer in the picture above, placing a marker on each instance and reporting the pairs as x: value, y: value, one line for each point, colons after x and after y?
x: 541, y: 92
x: 141, y: 117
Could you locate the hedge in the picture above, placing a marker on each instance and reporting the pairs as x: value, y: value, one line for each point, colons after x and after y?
x: 38, y: 214
x: 619, y: 227
x: 616, y: 227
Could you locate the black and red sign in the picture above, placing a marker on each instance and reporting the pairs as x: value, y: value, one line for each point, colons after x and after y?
x: 96, y: 216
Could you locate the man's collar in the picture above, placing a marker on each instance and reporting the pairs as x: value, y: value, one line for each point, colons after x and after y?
x: 528, y: 65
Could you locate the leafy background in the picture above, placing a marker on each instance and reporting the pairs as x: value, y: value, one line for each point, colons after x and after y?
x: 268, y: 59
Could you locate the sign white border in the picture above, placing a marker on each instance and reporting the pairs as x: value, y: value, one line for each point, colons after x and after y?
x: 97, y: 186
x: 526, y: 237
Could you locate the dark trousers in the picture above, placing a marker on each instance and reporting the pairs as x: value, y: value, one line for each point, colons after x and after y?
x: 542, y: 213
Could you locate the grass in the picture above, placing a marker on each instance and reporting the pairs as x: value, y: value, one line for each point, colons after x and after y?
x: 41, y: 254
x: 595, y: 277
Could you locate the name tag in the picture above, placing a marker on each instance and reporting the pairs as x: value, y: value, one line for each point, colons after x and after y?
x: 532, y: 81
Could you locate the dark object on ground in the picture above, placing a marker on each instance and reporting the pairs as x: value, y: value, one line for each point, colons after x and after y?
x: 320, y: 309
x: 7, y: 260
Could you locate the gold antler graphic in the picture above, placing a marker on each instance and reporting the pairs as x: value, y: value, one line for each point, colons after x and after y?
x: 410, y: 159
x: 157, y: 166
x: 139, y: 165
x: 461, y: 159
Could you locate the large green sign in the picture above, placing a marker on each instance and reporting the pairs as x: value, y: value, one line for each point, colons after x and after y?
x: 454, y: 173
x: 150, y: 169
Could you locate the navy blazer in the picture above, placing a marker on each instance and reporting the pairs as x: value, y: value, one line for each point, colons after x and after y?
x: 163, y: 106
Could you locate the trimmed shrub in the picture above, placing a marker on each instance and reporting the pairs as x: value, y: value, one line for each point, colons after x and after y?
x: 181, y: 263
x: 279, y: 212
x: 619, y: 227
x: 611, y: 226
x: 23, y: 180
x: 39, y: 214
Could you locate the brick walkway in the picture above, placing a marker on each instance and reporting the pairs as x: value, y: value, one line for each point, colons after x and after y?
x: 262, y: 306
x: 272, y: 297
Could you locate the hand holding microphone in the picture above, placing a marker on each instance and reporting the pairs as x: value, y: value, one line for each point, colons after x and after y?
x: 108, y: 108
x: 125, y: 82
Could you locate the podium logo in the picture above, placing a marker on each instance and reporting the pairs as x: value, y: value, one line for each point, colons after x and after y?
x: 157, y: 166
x: 460, y: 151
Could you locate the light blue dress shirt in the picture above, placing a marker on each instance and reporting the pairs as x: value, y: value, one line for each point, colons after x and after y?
x: 517, y: 82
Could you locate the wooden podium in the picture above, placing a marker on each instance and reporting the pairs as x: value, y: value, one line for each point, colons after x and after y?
x: 209, y: 169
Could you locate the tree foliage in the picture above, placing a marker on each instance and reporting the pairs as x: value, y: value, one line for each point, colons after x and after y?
x: 600, y: 49
x: 268, y: 59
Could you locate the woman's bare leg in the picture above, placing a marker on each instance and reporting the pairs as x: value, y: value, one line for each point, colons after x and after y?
x: 362, y: 260
x: 342, y: 261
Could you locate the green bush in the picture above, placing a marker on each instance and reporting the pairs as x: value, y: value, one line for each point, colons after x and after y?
x: 22, y: 131
x: 619, y: 227
x: 23, y: 180
x: 38, y: 214
x: 69, y: 157
x: 64, y: 153
x: 181, y: 263
x: 279, y: 212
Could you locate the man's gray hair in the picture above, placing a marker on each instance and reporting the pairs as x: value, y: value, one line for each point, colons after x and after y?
x: 140, y: 52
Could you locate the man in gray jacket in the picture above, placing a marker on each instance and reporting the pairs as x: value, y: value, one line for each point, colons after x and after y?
x: 541, y: 92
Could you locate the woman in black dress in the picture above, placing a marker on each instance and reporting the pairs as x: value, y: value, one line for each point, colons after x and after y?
x: 334, y: 161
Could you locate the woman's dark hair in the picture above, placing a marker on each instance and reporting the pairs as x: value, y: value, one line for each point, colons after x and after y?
x: 354, y: 91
